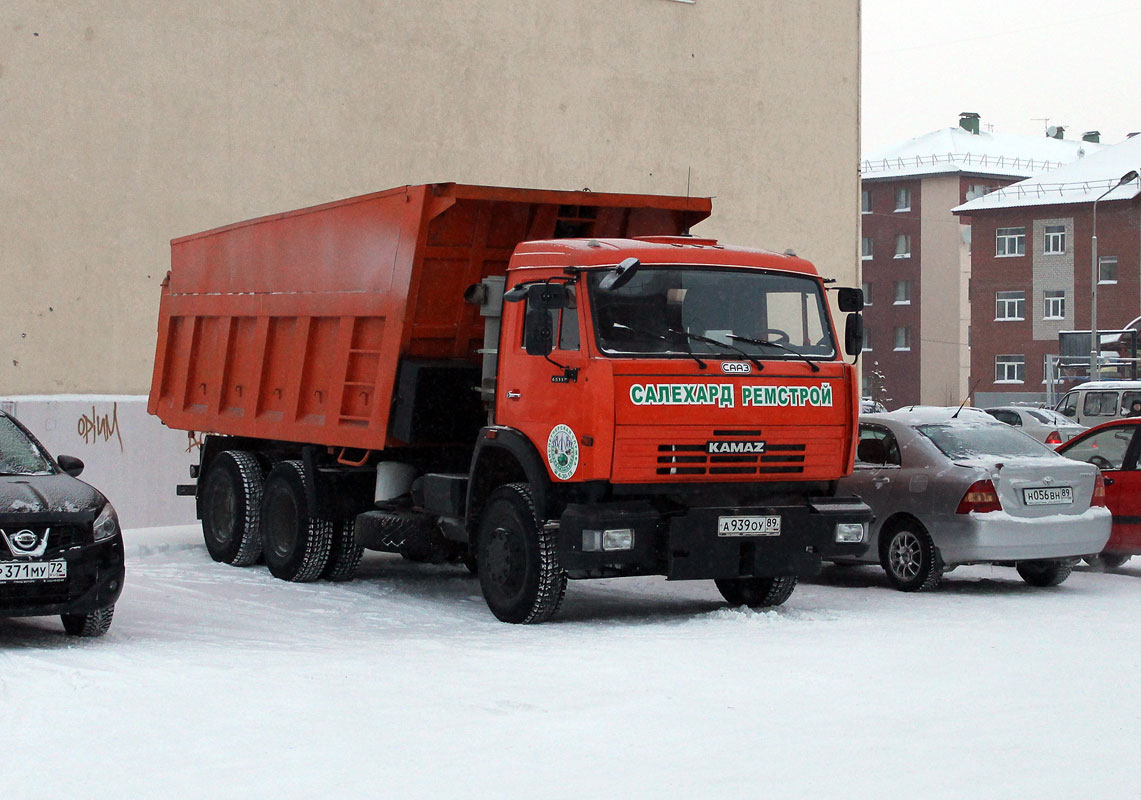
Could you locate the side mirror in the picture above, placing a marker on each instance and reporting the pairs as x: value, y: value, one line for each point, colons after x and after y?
x: 620, y: 275
x: 538, y: 333
x: 70, y: 464
x: 850, y: 299
x: 1067, y: 412
x: 854, y: 334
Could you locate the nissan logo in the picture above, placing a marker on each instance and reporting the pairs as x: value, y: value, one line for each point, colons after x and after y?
x: 25, y: 540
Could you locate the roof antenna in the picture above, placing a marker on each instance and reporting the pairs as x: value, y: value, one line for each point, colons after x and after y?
x: 965, y: 399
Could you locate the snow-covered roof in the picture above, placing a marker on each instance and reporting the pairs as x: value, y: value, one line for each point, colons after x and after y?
x: 955, y: 150
x: 1080, y: 182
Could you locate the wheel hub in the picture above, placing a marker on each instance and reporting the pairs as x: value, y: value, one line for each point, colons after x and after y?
x: 904, y: 554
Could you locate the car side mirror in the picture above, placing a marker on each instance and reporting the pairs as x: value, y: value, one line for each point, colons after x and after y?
x: 71, y: 465
x: 1069, y: 412
x: 850, y: 299
x: 854, y: 334
x: 620, y: 275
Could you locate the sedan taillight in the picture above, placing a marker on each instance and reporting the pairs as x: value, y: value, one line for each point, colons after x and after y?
x: 980, y: 497
x: 1098, y: 498
x: 1054, y: 438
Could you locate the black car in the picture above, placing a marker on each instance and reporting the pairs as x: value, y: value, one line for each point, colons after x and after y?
x: 61, y: 551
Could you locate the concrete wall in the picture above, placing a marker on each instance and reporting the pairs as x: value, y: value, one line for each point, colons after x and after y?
x: 945, y: 358
x: 127, y: 454
x: 128, y: 122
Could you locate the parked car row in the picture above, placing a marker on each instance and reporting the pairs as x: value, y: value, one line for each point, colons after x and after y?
x: 948, y: 487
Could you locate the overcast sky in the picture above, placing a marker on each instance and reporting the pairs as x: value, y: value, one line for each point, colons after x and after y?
x: 1015, y: 62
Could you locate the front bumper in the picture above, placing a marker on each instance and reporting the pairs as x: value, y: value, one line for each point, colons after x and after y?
x: 997, y: 536
x: 94, y: 580
x: 686, y: 545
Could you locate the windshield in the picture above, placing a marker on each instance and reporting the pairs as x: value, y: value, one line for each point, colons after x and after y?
x: 19, y: 455
x: 968, y: 441
x: 763, y: 314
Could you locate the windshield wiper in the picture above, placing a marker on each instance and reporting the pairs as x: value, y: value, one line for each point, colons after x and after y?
x: 698, y: 338
x: 801, y: 356
x: 660, y: 338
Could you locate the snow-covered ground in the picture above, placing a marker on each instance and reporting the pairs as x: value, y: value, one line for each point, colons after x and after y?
x: 220, y: 682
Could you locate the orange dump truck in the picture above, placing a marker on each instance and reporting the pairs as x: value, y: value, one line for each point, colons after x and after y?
x: 541, y: 384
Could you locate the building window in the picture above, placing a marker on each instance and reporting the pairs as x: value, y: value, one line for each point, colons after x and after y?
x: 1010, y: 242
x: 976, y: 190
x: 902, y: 293
x: 867, y: 340
x: 1107, y: 269
x: 1009, y: 369
x: 866, y: 249
x: 903, y: 338
x: 1055, y: 239
x: 865, y: 201
x: 902, y: 246
x: 867, y: 288
x: 1009, y: 306
x: 902, y: 199
x: 1053, y: 304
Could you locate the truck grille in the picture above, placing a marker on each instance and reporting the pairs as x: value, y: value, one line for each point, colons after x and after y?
x: 643, y: 454
x: 691, y: 459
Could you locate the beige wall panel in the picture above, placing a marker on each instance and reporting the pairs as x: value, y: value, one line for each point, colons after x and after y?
x: 128, y: 123
x: 942, y: 303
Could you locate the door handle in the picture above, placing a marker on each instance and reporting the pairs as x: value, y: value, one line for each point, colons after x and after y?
x: 1108, y: 481
x: 512, y: 395
x: 880, y: 481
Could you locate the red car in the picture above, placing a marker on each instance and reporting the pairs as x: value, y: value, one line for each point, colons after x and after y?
x: 1113, y: 447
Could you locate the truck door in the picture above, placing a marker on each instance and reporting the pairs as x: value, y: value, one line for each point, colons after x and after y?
x: 545, y: 397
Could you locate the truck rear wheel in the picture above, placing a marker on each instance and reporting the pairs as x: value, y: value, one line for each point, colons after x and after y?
x: 756, y: 592
x: 296, y: 543
x: 519, y: 569
x: 344, y: 554
x: 231, y: 500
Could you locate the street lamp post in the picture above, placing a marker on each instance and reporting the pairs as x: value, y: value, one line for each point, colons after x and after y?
x: 1094, y: 344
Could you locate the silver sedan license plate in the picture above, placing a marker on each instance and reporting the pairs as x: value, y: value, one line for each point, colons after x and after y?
x: 768, y: 525
x: 32, y: 571
x: 1048, y: 496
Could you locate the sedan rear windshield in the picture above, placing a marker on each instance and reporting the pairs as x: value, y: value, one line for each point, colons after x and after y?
x: 968, y: 441
x: 19, y: 455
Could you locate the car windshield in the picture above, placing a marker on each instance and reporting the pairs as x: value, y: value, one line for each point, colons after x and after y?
x: 968, y: 441
x: 19, y: 455
x: 673, y: 311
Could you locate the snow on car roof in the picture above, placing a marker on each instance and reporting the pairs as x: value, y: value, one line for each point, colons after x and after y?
x: 917, y: 415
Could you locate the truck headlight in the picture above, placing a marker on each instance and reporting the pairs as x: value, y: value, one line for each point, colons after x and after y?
x: 611, y: 539
x: 106, y: 524
x: 850, y: 532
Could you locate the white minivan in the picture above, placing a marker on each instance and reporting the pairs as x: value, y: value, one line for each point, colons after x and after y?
x: 1094, y: 402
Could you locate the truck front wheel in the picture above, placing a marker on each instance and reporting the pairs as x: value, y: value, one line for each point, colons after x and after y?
x: 231, y: 497
x: 756, y: 592
x: 296, y: 543
x: 519, y: 569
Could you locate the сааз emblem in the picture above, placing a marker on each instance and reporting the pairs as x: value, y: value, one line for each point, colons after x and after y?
x: 562, y: 452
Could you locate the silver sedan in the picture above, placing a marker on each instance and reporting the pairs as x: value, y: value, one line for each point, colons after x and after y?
x: 952, y: 490
x: 1045, y: 425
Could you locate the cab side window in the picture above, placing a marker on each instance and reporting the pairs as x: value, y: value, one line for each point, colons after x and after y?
x: 564, y: 325
x: 1069, y: 405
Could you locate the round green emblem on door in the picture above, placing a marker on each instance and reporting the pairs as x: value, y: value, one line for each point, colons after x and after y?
x: 562, y: 452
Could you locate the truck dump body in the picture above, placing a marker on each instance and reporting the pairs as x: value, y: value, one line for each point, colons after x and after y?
x: 293, y: 326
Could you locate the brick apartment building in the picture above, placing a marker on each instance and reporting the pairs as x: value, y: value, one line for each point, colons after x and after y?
x: 916, y: 253
x: 1032, y: 265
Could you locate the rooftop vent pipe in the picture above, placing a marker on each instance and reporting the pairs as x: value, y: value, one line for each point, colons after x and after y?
x: 969, y: 121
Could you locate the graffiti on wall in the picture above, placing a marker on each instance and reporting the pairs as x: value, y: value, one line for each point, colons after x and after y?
x: 100, y: 427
